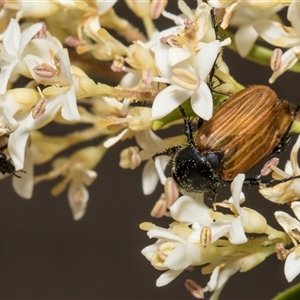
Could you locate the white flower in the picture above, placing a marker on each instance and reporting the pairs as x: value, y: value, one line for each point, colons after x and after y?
x: 24, y: 184
x: 78, y: 173
x: 62, y: 82
x: 64, y: 98
x: 153, y: 170
x: 286, y: 191
x: 283, y: 36
x: 231, y: 226
x: 292, y: 227
x: 172, y: 252
x: 194, y: 240
x: 188, y: 82
x: 14, y: 44
x: 232, y: 6
x: 190, y: 35
x: 220, y: 276
x: 243, y: 19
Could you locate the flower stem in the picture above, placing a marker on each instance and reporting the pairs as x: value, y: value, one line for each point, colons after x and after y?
x: 290, y: 293
x: 258, y: 54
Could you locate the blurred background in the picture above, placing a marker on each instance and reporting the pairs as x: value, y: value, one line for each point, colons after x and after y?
x: 45, y: 254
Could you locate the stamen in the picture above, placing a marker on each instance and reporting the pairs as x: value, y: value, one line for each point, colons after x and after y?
x: 160, y: 207
x: 39, y: 108
x: 205, y: 236
x: 185, y: 79
x: 194, y: 288
x: 267, y: 168
x: 45, y: 70
x: 275, y: 61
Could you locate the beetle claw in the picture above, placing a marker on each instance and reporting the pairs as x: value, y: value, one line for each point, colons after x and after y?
x: 212, y: 195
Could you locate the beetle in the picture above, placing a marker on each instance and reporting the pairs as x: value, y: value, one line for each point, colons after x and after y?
x: 244, y: 129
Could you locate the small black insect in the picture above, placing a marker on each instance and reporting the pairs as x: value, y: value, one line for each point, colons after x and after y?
x: 6, y: 166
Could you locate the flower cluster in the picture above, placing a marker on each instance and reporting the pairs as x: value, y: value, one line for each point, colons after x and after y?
x: 49, y: 55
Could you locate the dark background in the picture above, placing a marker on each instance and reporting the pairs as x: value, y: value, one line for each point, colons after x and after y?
x: 44, y: 254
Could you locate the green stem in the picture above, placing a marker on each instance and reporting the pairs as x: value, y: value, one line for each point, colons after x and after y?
x: 258, y: 54
x: 291, y: 293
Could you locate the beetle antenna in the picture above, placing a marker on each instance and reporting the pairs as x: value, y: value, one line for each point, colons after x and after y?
x: 257, y: 181
x: 187, y: 127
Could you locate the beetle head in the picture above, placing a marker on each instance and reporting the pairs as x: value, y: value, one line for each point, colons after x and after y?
x: 196, y: 171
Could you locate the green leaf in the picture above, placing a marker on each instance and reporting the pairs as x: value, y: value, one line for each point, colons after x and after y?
x: 292, y: 293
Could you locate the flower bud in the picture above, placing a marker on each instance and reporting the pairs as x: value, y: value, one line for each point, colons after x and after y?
x: 130, y: 158
x: 159, y: 208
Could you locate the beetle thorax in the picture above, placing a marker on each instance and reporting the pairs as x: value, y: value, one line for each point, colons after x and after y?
x: 195, y: 171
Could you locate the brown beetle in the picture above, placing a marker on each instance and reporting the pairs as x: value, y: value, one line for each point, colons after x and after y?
x: 243, y: 130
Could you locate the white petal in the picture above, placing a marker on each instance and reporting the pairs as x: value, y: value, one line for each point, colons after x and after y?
x: 293, y: 15
x: 202, y: 102
x: 27, y: 35
x: 244, y: 15
x: 292, y: 266
x: 295, y: 206
x: 245, y: 38
x: 288, y: 223
x: 219, y: 229
x: 24, y: 186
x: 167, y: 100
x: 218, y: 281
x: 294, y: 156
x: 5, y: 75
x: 147, y: 139
x: 167, y: 277
x: 275, y: 34
x: 236, y: 189
x: 161, y: 163
x: 188, y: 210
x: 113, y: 140
x: 212, y: 284
x: 11, y: 38
x: 16, y: 146
x: 9, y: 111
x: 283, y: 192
x: 182, y: 256
x: 69, y: 110
x: 150, y: 250
x: 194, y: 237
x: 177, y: 55
x: 130, y: 80
x: 149, y: 178
x: 165, y: 235
x: 205, y: 59
x: 162, y: 60
x: 288, y: 59
x: 236, y: 232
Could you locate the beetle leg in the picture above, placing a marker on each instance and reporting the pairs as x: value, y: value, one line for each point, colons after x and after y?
x: 212, y: 195
x: 169, y: 152
x: 252, y: 181
x: 187, y: 127
x: 267, y: 183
